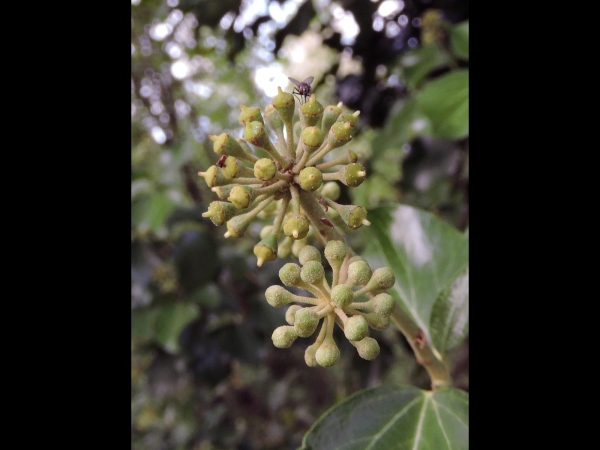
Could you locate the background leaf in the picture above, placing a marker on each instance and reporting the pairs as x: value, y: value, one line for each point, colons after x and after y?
x: 394, y: 418
x: 450, y: 315
x: 171, y: 321
x: 445, y: 102
x: 459, y: 38
x: 426, y: 255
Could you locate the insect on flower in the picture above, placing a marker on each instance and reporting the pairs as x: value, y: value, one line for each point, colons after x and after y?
x: 302, y: 89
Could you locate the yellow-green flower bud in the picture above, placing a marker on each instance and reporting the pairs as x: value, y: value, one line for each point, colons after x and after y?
x: 330, y: 115
x: 220, y: 212
x: 310, y: 178
x: 312, y: 138
x: 342, y: 295
x: 367, y: 348
x: 238, y: 225
x: 289, y: 274
x: 309, y: 355
x: 309, y: 253
x: 241, y: 196
x: 353, y: 174
x: 352, y: 119
x: 284, y: 336
x: 222, y: 191
x: 331, y: 190
x: 296, y: 226
x: 359, y: 273
x: 272, y: 118
x: 328, y: 353
x: 290, y: 314
x: 255, y: 133
x: 335, y: 251
x: 225, y: 144
x: 265, y: 169
x: 229, y: 167
x: 278, y: 296
x: 340, y: 134
x: 383, y: 304
x: 384, y: 277
x: 214, y: 177
x: 266, y: 230
x: 354, y: 216
x: 377, y: 322
x: 285, y: 247
x: 284, y: 103
x: 356, y: 328
x: 312, y: 272
x: 298, y: 245
x: 266, y: 250
x: 310, y: 112
x: 305, y: 322
x: 249, y: 114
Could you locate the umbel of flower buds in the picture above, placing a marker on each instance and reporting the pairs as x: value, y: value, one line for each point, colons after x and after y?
x: 293, y: 181
x: 339, y: 303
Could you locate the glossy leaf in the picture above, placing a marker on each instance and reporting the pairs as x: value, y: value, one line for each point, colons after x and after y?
x: 427, y: 256
x: 445, y: 102
x: 395, y: 418
x: 459, y: 39
x: 450, y: 315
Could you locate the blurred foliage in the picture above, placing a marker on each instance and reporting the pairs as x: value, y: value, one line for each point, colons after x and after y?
x: 204, y: 372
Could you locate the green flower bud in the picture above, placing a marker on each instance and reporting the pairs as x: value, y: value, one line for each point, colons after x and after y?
x: 265, y: 169
x: 229, y: 167
x: 214, y: 177
x: 284, y: 103
x: 296, y: 226
x: 356, y: 328
x: 305, y: 322
x: 238, y: 225
x: 272, y: 118
x: 298, y: 245
x: 251, y: 114
x: 331, y: 190
x: 383, y: 304
x: 384, y: 277
x: 353, y: 157
x: 290, y: 314
x: 255, y: 134
x: 367, y: 348
x: 309, y: 355
x: 222, y: 191
x: 330, y: 115
x: 312, y: 272
x: 359, y: 273
x: 376, y: 321
x: 266, y: 250
x: 309, y: 253
x: 289, y: 274
x: 340, y: 134
x: 310, y: 178
x: 278, y: 296
x: 328, y: 353
x: 241, y: 196
x: 352, y: 119
x: 310, y: 112
x: 342, y: 295
x: 355, y: 258
x: 225, y: 144
x: 284, y: 336
x: 285, y: 247
x: 336, y: 251
x: 354, y: 216
x: 312, y: 138
x: 220, y: 212
x: 352, y: 175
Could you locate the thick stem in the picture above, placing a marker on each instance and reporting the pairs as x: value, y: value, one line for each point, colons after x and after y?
x: 437, y: 370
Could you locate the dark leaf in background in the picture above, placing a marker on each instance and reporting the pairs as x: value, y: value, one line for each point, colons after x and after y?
x: 196, y: 259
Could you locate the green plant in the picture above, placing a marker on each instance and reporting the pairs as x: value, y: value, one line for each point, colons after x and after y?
x: 290, y: 181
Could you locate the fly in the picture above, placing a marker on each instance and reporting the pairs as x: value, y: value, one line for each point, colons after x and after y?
x: 302, y: 89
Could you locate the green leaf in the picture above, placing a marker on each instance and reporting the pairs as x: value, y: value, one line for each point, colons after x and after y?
x: 459, y: 39
x: 445, y: 102
x: 171, y: 321
x: 426, y: 255
x: 450, y: 315
x: 418, y: 63
x: 395, y: 418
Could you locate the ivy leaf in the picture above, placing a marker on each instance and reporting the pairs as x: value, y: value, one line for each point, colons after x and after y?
x: 459, y: 39
x: 171, y: 321
x: 390, y: 417
x: 427, y: 256
x: 418, y: 63
x: 445, y: 101
x: 450, y: 315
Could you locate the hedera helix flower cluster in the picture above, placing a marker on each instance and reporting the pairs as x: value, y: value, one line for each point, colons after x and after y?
x: 296, y: 186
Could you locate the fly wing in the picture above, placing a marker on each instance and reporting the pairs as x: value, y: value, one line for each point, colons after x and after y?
x: 308, y: 80
x: 293, y: 80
